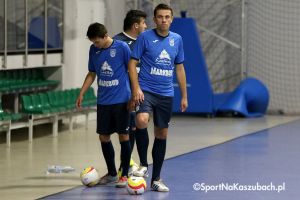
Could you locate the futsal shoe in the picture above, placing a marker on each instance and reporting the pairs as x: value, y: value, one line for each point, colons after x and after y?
x: 132, y: 169
x: 107, y: 179
x: 122, y: 182
x: 159, y: 186
x: 141, y: 172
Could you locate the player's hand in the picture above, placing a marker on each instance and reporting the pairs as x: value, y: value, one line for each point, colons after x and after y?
x: 79, y: 101
x: 138, y: 96
x: 183, y: 104
x: 131, y: 105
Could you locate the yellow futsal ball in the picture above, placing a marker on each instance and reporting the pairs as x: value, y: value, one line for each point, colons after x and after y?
x: 89, y: 176
x: 136, y: 185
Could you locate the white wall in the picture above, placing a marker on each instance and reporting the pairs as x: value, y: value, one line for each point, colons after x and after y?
x: 115, y: 15
x: 79, y: 14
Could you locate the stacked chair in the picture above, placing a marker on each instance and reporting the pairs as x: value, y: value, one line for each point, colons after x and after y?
x: 51, y: 106
x: 24, y: 80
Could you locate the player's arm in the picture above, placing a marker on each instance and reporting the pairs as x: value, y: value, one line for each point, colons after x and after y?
x: 181, y: 79
x: 89, y: 79
x: 137, y: 94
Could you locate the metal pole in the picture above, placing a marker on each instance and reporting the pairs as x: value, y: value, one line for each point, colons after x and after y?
x: 63, y: 31
x: 202, y: 28
x: 135, y: 6
x: 244, y: 72
x: 46, y: 32
x: 4, y: 64
x: 26, y: 34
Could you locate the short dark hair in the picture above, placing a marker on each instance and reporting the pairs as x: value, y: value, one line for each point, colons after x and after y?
x: 96, y: 30
x: 133, y: 16
x: 162, y: 6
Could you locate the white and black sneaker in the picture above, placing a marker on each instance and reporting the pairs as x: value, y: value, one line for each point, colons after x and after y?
x: 159, y: 186
x: 107, y: 179
x: 141, y: 172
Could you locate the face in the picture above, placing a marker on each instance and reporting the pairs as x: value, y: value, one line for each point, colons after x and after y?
x: 98, y: 42
x: 141, y: 26
x: 163, y: 19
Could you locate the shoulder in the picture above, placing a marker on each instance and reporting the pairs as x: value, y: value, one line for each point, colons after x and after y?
x: 175, y: 35
x: 93, y: 49
x: 120, y: 44
x: 147, y: 33
x: 119, y: 36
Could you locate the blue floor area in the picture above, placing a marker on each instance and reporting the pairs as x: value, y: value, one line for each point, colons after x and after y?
x: 267, y: 156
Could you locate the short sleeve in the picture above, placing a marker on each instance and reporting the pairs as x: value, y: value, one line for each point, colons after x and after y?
x: 91, y: 65
x: 126, y: 51
x: 179, y: 59
x: 138, y: 48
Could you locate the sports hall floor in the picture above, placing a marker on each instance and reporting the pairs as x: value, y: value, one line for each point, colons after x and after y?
x: 199, y: 150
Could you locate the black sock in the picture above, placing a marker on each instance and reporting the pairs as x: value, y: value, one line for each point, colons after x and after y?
x: 125, y: 157
x: 109, y: 156
x: 142, y: 143
x: 132, y: 139
x: 158, y: 155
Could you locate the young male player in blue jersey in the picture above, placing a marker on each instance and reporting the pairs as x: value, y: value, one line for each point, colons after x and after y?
x: 134, y: 24
x: 108, y: 60
x: 160, y: 53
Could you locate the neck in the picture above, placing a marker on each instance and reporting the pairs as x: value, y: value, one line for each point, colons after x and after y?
x: 108, y: 42
x: 162, y: 33
x: 132, y: 33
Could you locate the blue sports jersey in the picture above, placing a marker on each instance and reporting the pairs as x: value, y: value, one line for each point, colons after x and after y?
x: 125, y: 38
x: 130, y: 41
x: 110, y: 65
x: 158, y: 56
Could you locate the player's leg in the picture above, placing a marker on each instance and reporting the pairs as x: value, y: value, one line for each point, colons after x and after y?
x: 133, y: 166
x: 132, y: 128
x: 104, y: 129
x: 142, y: 137
x: 142, y: 143
x: 121, y: 117
x: 161, y: 115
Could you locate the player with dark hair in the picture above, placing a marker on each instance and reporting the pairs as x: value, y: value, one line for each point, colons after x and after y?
x: 159, y: 52
x: 134, y: 24
x: 108, y: 60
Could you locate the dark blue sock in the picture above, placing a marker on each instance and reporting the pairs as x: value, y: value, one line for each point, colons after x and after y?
x: 158, y: 155
x: 125, y: 157
x: 132, y: 139
x: 142, y: 143
x: 109, y: 156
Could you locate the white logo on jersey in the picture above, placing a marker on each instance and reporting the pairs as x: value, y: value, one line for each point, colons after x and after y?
x: 154, y: 41
x: 129, y: 42
x: 106, y: 69
x: 97, y: 52
x: 113, y: 53
x: 164, y: 58
x: 171, y: 42
x: 161, y: 72
x: 108, y: 83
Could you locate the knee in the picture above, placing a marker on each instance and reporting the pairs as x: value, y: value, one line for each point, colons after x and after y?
x: 123, y: 137
x: 142, y: 121
x: 161, y: 133
x: 104, y: 138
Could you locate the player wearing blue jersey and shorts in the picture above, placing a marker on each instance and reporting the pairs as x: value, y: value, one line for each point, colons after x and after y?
x: 160, y: 53
x: 134, y: 24
x: 108, y: 61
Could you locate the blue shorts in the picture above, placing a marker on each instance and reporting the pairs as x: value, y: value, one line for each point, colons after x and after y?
x: 112, y: 119
x: 160, y: 106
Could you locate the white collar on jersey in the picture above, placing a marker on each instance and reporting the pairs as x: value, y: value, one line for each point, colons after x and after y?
x: 129, y: 36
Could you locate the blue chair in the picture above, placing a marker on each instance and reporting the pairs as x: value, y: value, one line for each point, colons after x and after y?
x: 249, y: 99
